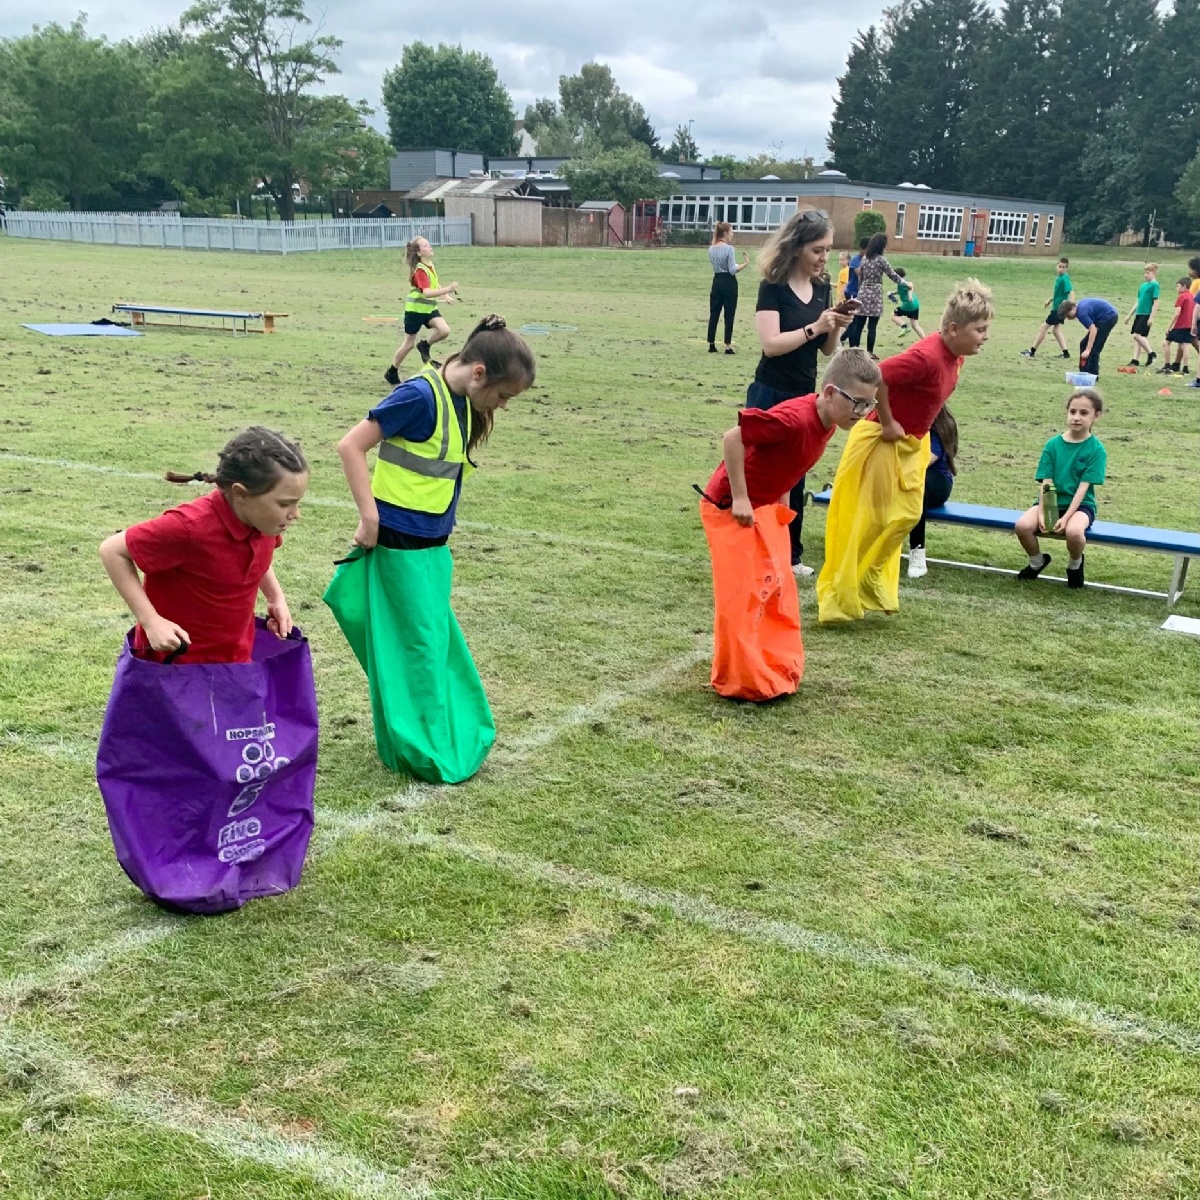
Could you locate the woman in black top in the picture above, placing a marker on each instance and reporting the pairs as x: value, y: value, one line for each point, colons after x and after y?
x: 795, y: 321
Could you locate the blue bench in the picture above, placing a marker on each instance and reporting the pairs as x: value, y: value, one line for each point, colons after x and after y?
x: 1181, y: 544
x: 233, y: 316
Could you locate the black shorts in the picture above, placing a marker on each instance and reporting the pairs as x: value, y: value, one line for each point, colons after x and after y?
x: 1052, y: 317
x: 908, y: 315
x: 1182, y: 337
x: 414, y: 322
x: 1141, y: 324
x: 1090, y: 513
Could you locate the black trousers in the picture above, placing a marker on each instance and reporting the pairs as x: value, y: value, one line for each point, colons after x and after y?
x: 855, y: 331
x: 759, y: 395
x: 724, y: 295
x: 937, y: 492
x: 1092, y: 366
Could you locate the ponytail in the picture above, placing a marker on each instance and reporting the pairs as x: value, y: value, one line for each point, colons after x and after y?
x: 506, y: 359
x: 255, y: 458
x: 412, y: 252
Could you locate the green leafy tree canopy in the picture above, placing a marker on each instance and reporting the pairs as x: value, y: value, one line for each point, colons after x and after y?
x: 592, y: 114
x: 626, y: 174
x: 450, y: 97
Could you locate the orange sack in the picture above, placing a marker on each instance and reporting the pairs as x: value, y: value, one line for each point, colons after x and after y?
x: 757, y: 650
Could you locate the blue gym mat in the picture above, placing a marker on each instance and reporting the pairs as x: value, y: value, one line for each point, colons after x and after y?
x: 84, y: 330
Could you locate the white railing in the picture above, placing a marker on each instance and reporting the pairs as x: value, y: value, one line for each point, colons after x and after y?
x: 170, y: 231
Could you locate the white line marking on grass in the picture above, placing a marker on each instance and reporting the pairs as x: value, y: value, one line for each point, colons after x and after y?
x: 50, y: 744
x: 604, y: 704
x: 234, y: 1137
x: 16, y: 990
x: 822, y: 945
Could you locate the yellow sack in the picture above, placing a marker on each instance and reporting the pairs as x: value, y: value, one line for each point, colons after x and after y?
x: 877, y: 496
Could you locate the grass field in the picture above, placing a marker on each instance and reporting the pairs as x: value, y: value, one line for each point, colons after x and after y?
x: 927, y: 929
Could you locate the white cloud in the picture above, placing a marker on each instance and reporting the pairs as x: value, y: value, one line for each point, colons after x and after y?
x: 746, y: 74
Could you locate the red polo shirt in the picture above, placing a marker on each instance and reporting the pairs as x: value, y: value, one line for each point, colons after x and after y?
x: 919, y: 381
x: 782, y: 445
x: 202, y: 569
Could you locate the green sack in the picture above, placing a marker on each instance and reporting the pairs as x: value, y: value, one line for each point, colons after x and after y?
x: 432, y: 718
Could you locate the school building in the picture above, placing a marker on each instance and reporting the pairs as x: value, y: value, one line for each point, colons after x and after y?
x: 918, y: 219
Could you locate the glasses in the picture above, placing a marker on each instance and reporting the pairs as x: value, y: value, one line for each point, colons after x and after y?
x: 860, y: 406
x: 814, y: 214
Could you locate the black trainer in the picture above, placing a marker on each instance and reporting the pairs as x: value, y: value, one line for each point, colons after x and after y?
x: 1133, y: 362
x: 1066, y: 354
x: 423, y: 351
x: 392, y: 376
x: 1151, y: 357
x: 712, y: 347
x: 1075, y: 575
x: 1031, y: 572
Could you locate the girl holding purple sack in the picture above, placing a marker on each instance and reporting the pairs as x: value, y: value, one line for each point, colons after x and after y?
x: 206, y: 561
x: 207, y: 759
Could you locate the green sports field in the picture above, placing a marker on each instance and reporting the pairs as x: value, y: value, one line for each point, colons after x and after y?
x: 927, y: 929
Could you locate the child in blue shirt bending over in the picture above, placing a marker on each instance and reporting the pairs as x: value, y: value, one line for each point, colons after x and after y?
x: 1074, y: 462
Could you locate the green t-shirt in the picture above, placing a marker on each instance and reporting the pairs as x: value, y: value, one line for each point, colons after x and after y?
x: 1147, y: 294
x: 1069, y: 464
x: 1062, y: 289
x: 908, y: 298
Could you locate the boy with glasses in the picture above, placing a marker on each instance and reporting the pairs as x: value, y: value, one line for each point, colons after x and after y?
x: 765, y: 456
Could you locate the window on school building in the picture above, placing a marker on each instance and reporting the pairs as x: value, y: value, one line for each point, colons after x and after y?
x: 1049, y: 229
x: 1033, y: 231
x: 939, y: 223
x: 749, y: 214
x: 900, y: 219
x: 1007, y: 227
x: 868, y: 202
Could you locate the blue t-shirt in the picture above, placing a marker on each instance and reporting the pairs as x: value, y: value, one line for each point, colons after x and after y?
x: 410, y: 412
x: 940, y: 466
x: 852, y: 282
x: 1094, y: 311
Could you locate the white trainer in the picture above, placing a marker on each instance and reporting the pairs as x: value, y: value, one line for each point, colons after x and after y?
x: 802, y: 570
x: 916, y: 564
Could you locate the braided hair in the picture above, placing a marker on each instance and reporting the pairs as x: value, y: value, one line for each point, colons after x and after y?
x: 255, y: 458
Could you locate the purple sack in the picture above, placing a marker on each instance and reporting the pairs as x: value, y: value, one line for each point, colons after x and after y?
x: 207, y: 772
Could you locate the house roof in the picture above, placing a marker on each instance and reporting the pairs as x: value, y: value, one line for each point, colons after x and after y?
x: 438, y: 189
x: 604, y: 205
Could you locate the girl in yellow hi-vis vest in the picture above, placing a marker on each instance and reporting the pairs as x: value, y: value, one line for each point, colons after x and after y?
x: 391, y: 597
x: 420, y: 306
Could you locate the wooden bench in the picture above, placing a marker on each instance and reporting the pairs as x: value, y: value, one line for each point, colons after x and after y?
x: 139, y: 311
x: 1181, y: 544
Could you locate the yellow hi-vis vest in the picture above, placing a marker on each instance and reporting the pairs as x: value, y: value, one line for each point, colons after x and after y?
x: 421, y: 475
x: 417, y: 302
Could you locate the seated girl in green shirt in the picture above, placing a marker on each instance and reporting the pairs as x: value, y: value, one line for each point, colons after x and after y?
x: 1074, y: 462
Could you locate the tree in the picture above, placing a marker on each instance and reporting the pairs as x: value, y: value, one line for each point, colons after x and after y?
x: 683, y: 148
x: 929, y: 63
x: 70, y: 113
x: 1187, y: 193
x: 867, y: 223
x: 627, y: 174
x: 448, y: 97
x: 259, y: 40
x: 592, y: 114
x: 854, y: 132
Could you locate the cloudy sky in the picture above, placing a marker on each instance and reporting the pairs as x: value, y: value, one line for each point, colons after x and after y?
x: 746, y: 73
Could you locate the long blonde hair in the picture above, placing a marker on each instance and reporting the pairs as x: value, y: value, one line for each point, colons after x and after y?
x: 412, y: 251
x: 778, y: 256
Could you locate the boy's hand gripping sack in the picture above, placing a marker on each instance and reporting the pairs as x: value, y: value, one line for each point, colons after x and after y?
x: 757, y: 650
x: 207, y: 772
x: 877, y: 496
x: 431, y: 714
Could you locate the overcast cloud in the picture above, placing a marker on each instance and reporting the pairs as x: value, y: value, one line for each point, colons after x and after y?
x: 746, y: 73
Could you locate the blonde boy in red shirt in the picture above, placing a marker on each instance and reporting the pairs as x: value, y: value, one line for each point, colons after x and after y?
x: 880, y: 480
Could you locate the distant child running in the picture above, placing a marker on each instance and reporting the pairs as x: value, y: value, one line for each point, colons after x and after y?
x: 843, y: 276
x: 392, y: 597
x: 1099, y: 319
x: 939, y: 481
x: 205, y: 562
x: 744, y: 510
x: 420, y: 308
x: 907, y: 313
x: 1053, y: 322
x: 1074, y: 462
x: 1142, y: 314
x: 880, y: 481
x: 1180, y: 333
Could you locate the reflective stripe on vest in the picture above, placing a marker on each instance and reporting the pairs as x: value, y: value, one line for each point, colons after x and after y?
x: 421, y: 475
x: 417, y: 302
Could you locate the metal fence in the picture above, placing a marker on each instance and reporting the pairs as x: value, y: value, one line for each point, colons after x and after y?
x: 170, y: 231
